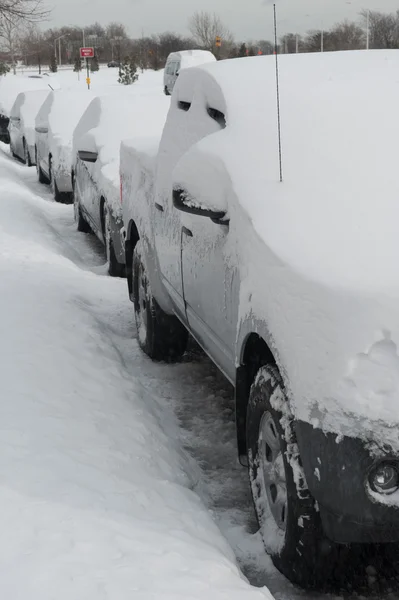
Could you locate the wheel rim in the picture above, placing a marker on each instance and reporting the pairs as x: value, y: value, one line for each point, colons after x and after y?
x: 272, y: 470
x: 141, y: 304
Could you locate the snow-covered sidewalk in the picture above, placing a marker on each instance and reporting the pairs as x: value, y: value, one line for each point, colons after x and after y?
x: 96, y: 498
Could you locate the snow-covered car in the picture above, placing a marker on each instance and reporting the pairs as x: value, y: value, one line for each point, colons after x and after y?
x: 11, y: 86
x: 22, y: 124
x: 55, y: 123
x: 182, y: 60
x: 96, y: 180
x: 290, y: 287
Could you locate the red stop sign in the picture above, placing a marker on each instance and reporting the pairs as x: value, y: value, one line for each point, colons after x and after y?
x: 87, y: 53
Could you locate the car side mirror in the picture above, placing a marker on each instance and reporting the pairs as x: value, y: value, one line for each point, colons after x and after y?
x: 41, y: 129
x: 183, y: 202
x: 87, y: 156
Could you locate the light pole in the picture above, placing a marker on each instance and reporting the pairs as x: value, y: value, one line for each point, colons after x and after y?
x: 368, y: 30
x: 58, y: 39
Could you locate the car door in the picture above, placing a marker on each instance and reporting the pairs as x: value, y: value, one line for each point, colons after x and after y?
x: 88, y: 194
x: 181, y: 131
x: 15, y: 135
x: 210, y: 284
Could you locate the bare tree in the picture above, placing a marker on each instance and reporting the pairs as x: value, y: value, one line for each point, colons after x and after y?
x: 23, y: 10
x: 10, y: 30
x: 384, y: 29
x: 205, y: 27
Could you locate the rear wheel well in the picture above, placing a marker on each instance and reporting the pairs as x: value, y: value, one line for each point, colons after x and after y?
x: 255, y: 354
x: 132, y: 237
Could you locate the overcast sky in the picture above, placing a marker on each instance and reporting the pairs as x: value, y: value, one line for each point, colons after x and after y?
x: 248, y: 19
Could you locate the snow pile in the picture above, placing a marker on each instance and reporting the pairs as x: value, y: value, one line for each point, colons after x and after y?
x: 26, y: 108
x: 60, y: 113
x: 109, y: 119
x: 12, y: 85
x: 95, y: 488
x: 317, y: 253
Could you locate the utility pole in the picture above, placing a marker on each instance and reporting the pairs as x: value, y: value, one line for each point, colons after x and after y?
x: 322, y: 40
x: 296, y: 44
x: 368, y: 30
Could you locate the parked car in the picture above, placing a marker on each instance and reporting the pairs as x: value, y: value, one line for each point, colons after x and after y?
x: 182, y: 60
x: 54, y: 125
x: 97, y: 139
x: 22, y: 124
x: 113, y: 64
x: 290, y: 287
x: 10, y: 87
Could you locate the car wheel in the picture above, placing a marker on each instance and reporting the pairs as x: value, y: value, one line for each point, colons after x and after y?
x: 81, y: 223
x: 28, y: 161
x: 40, y: 175
x: 115, y: 269
x: 288, y: 519
x: 160, y: 336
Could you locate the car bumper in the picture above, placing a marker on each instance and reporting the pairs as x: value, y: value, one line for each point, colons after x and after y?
x: 337, y: 470
x: 64, y: 182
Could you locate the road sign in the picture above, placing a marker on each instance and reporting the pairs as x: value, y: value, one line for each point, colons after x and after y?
x: 218, y: 41
x: 87, y: 53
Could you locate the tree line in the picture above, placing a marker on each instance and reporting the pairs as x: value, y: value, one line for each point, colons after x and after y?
x: 22, y: 39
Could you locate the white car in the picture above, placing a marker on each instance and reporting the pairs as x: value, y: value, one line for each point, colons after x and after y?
x: 184, y: 59
x: 11, y: 86
x: 22, y: 124
x: 54, y: 125
x: 291, y: 287
x: 97, y: 139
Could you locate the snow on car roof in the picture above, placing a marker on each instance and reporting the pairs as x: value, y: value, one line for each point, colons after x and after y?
x: 61, y: 112
x: 12, y: 85
x: 108, y: 119
x: 338, y: 202
x: 190, y: 58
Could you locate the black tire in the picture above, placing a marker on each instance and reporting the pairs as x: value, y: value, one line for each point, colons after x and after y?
x: 293, y: 535
x: 81, y: 223
x: 162, y: 337
x: 28, y: 161
x: 166, y: 91
x: 115, y: 268
x: 40, y: 175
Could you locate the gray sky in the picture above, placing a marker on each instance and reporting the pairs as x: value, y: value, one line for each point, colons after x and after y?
x: 248, y: 19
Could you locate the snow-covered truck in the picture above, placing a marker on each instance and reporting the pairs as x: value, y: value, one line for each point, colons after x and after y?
x: 290, y: 287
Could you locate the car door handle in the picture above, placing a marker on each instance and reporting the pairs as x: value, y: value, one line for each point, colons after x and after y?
x: 158, y: 206
x: 187, y: 231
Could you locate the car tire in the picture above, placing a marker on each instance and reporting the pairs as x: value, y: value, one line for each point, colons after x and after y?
x: 162, y: 337
x: 115, y: 268
x: 81, y: 223
x: 40, y: 175
x: 27, y: 159
x: 166, y: 91
x: 288, y: 519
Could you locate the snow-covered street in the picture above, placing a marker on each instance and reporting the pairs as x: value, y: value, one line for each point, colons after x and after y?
x: 119, y: 476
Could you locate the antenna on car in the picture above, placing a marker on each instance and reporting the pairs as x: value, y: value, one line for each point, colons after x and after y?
x: 278, y: 95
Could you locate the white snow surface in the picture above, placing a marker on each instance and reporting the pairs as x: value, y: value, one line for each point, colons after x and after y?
x: 11, y: 85
x: 26, y: 107
x: 317, y: 253
x: 108, y: 120
x: 95, y: 487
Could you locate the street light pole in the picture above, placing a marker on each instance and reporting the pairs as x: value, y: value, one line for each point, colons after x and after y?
x: 368, y: 30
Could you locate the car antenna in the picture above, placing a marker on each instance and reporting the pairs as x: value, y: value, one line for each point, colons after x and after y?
x: 278, y: 95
